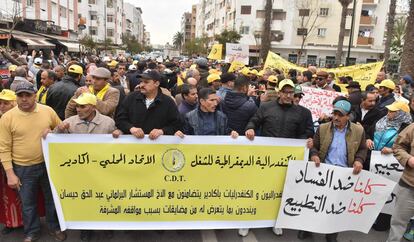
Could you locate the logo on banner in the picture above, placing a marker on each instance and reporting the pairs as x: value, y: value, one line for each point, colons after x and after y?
x: 173, y: 160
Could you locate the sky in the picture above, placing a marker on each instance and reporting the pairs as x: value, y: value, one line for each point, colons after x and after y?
x: 162, y: 18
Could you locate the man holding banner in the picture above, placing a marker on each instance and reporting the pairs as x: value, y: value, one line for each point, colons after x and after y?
x: 339, y: 143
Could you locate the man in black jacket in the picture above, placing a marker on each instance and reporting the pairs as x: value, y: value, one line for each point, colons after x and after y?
x: 238, y: 106
x: 148, y: 111
x: 61, y: 92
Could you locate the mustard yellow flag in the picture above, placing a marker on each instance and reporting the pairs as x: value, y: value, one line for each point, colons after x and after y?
x: 216, y: 52
x: 235, y: 66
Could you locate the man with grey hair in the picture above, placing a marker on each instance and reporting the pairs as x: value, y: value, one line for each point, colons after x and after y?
x: 20, y: 77
x: 194, y: 73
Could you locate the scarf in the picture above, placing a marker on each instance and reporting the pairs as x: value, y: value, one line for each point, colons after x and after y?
x: 41, y: 95
x: 384, y: 123
x: 100, y: 95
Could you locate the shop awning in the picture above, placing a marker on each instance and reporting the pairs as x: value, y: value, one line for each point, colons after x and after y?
x: 72, y: 47
x: 34, y: 42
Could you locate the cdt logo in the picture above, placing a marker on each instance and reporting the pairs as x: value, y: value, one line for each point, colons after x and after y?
x: 173, y: 160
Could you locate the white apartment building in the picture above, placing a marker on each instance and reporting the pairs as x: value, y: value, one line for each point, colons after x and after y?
x: 186, y: 26
x: 147, y: 38
x: 133, y: 24
x: 291, y: 19
x: 104, y: 19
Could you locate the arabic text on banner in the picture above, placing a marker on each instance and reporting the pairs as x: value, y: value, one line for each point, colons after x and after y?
x: 388, y: 167
x: 199, y: 182
x: 237, y: 52
x: 318, y: 101
x: 340, y: 200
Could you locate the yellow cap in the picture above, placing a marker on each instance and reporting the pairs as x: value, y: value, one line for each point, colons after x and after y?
x: 272, y: 79
x: 12, y: 68
x: 286, y: 82
x: 254, y: 72
x: 86, y: 98
x: 245, y: 71
x: 213, y: 77
x: 398, y: 105
x: 388, y: 84
x: 193, y: 67
x: 214, y: 71
x: 7, y: 95
x: 260, y: 73
x: 75, y: 69
x: 113, y: 63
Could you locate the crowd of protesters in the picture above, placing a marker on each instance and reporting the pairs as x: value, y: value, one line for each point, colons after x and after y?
x: 123, y: 96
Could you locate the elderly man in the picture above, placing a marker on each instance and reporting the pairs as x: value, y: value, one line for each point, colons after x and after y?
x: 148, y: 110
x: 21, y: 154
x: 380, y: 77
x: 60, y: 72
x: 48, y: 78
x: 339, y: 143
x: 20, y: 76
x: 322, y: 81
x: 108, y: 97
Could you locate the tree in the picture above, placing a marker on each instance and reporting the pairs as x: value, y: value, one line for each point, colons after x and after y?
x: 14, y: 16
x: 308, y: 16
x: 344, y: 12
x: 178, y: 40
x: 407, y: 59
x: 227, y: 36
x: 390, y: 30
x: 132, y: 44
x: 398, y: 37
x: 197, y: 46
x: 88, y: 42
x: 266, y: 31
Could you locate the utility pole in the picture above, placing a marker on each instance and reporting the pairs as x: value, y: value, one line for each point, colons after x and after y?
x: 105, y: 19
x: 351, y: 35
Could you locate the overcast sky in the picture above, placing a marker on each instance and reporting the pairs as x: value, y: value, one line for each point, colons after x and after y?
x: 162, y: 18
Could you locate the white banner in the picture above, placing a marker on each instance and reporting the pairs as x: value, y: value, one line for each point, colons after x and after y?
x: 388, y: 167
x: 237, y: 52
x: 318, y: 101
x: 338, y: 199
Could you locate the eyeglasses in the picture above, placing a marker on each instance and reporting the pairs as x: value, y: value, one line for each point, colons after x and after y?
x: 321, y: 78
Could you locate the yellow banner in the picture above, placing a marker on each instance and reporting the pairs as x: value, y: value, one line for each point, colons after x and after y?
x: 235, y: 66
x: 365, y: 74
x: 99, y: 179
x: 216, y: 52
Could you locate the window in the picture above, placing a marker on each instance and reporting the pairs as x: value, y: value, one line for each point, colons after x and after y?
x: 79, y: 1
x: 62, y: 12
x: 321, y: 32
x: 330, y: 60
x: 93, y: 30
x: 246, y: 9
x: 312, y: 60
x: 279, y: 15
x: 302, y: 31
x: 293, y: 58
x: 347, y: 32
x: 244, y: 30
x: 277, y: 36
x: 351, y: 61
x: 109, y: 32
x: 260, y: 14
x: 324, y: 11
x: 110, y: 18
x: 371, y: 60
x: 94, y: 17
x: 110, y: 3
x: 30, y: 2
x: 304, y: 12
x: 91, y: 1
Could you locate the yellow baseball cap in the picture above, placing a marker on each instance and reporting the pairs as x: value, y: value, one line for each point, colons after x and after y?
x: 12, y: 68
x: 214, y: 71
x: 272, y: 79
x: 212, y: 78
x: 86, y: 98
x: 388, y: 84
x: 7, y: 95
x: 75, y: 69
x: 286, y: 82
x: 254, y: 72
x: 398, y: 105
x: 113, y: 63
x: 260, y: 73
x: 245, y: 71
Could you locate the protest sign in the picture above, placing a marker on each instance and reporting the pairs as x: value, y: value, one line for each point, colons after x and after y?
x: 388, y: 167
x: 274, y: 61
x: 340, y: 200
x: 237, y: 52
x: 318, y: 101
x: 199, y: 182
x: 216, y: 52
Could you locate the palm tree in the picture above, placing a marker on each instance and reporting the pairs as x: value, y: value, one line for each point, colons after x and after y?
x: 390, y: 30
x: 398, y: 36
x: 266, y: 33
x: 344, y: 4
x: 407, y: 59
x: 178, y: 40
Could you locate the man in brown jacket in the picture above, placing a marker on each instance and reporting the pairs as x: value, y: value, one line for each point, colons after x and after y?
x: 339, y: 143
x: 404, y: 206
x: 107, y: 96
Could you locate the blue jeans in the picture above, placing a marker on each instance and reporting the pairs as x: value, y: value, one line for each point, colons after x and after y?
x: 31, y: 177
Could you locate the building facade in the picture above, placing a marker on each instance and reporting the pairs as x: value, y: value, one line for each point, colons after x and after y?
x: 313, y: 23
x: 186, y: 27
x: 133, y: 24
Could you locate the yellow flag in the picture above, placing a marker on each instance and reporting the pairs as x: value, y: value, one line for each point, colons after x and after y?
x: 216, y: 52
x: 179, y: 81
x: 235, y: 66
x: 274, y: 61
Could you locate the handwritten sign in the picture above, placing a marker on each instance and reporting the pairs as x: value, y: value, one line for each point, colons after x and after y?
x: 340, y: 200
x: 388, y: 167
x: 318, y: 101
x: 237, y: 52
x: 193, y: 183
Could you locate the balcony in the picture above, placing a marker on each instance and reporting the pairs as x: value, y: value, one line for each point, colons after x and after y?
x: 365, y: 40
x: 370, y: 2
x: 368, y: 21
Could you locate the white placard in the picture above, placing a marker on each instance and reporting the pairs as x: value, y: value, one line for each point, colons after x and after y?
x: 237, y: 52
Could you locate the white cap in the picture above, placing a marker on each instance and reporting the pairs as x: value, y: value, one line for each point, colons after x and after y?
x: 38, y: 61
x: 132, y: 67
x: 106, y: 58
